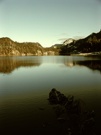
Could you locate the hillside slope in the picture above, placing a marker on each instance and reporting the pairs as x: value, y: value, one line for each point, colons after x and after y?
x: 9, y: 47
x: 91, y: 43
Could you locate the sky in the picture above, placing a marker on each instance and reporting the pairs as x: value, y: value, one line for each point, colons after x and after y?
x: 49, y: 22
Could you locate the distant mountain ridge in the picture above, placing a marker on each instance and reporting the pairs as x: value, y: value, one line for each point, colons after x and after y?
x: 91, y: 43
x: 9, y: 47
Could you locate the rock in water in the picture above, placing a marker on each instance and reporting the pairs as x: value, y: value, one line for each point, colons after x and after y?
x: 72, y: 112
x: 55, y: 97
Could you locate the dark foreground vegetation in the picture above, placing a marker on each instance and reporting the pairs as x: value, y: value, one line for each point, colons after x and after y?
x: 72, y: 114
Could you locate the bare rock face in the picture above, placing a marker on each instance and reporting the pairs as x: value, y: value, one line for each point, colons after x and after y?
x: 9, y: 47
x: 70, y: 112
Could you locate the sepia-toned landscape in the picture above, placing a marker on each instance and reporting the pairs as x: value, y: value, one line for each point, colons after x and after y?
x: 50, y: 67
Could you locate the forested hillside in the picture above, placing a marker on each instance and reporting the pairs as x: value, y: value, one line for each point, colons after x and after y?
x: 9, y: 47
x: 91, y: 43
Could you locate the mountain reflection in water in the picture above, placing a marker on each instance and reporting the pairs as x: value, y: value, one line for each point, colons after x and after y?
x: 91, y: 63
x: 24, y: 108
x: 94, y: 65
x: 8, y: 64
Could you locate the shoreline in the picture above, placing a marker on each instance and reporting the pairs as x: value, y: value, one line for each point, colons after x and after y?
x: 87, y: 54
x: 76, y: 54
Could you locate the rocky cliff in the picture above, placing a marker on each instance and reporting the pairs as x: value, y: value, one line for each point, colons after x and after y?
x: 10, y: 48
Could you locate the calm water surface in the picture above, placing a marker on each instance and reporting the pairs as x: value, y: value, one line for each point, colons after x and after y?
x: 25, y: 83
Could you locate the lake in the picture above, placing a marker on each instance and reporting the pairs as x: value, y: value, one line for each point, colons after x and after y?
x: 25, y: 83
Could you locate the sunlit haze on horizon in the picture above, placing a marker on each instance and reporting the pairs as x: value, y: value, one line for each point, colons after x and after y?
x: 49, y: 21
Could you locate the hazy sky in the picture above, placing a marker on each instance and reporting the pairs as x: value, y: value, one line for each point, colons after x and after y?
x: 49, y: 21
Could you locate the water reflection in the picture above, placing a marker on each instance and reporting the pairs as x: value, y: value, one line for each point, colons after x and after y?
x: 91, y: 63
x: 94, y: 65
x: 26, y: 90
x: 9, y: 64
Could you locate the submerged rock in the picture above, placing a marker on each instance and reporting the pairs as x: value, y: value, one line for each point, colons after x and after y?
x: 73, y: 113
x: 55, y: 97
